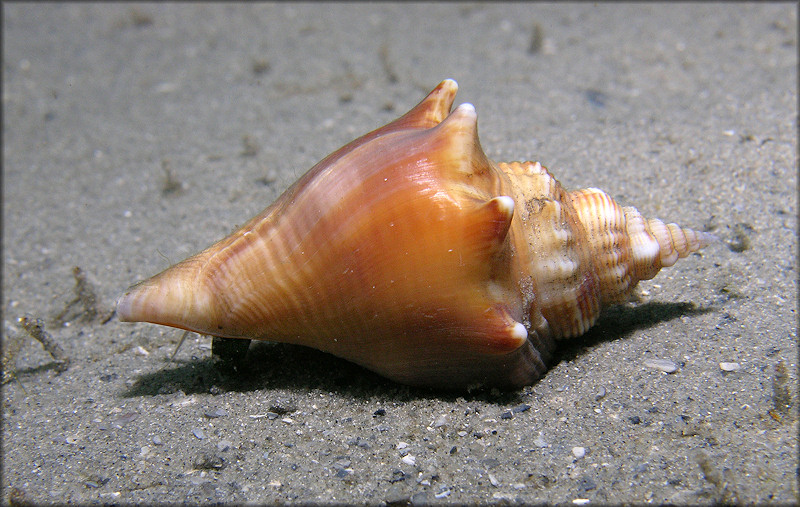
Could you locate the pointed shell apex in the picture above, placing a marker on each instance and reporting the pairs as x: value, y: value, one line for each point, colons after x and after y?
x: 505, y: 204
x: 519, y: 332
x: 466, y: 109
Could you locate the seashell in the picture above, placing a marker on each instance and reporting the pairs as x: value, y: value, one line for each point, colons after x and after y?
x: 412, y: 254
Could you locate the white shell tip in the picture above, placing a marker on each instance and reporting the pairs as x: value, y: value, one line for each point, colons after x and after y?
x: 519, y: 332
x: 466, y: 108
x: 505, y: 204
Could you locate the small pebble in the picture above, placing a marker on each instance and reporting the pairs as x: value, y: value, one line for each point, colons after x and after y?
x: 123, y: 419
x: 408, y: 459
x: 444, y: 493
x: 441, y: 421
x: 397, y: 476
x: 587, y: 484
x: 224, y: 445
x: 601, y: 393
x: 506, y: 415
x: 540, y: 442
x: 402, y: 445
x: 200, y: 434
x: 379, y: 412
x: 581, y: 501
x: 217, y: 412
x: 520, y: 408
x: 664, y: 365
x: 157, y: 440
x: 494, y: 480
x: 730, y: 366
x: 141, y: 351
x: 579, y: 452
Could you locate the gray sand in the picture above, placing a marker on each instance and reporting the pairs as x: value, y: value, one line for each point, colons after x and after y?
x: 687, y: 112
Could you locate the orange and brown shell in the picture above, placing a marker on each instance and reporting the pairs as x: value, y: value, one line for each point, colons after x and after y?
x: 412, y: 254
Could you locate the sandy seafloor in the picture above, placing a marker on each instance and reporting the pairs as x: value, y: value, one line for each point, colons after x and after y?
x: 688, y: 112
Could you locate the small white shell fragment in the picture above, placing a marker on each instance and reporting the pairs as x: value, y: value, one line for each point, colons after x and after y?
x: 408, y: 459
x: 580, y: 501
x: 664, y: 365
x: 494, y: 480
x: 402, y: 445
x: 141, y: 351
x: 579, y: 452
x: 730, y: 366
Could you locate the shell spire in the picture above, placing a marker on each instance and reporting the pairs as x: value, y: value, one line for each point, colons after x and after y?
x: 409, y: 252
x: 627, y: 247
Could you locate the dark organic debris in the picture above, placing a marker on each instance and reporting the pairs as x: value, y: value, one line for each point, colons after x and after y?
x: 35, y: 328
x: 172, y: 186
x: 210, y: 462
x: 741, y: 238
x: 781, y: 396
x: 724, y: 482
x: 249, y: 146
x: 596, y: 97
x: 537, y: 39
x: 260, y: 66
x: 83, y: 306
x: 140, y: 18
x: 386, y: 63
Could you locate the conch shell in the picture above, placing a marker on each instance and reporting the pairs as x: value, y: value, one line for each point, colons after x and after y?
x: 412, y: 254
